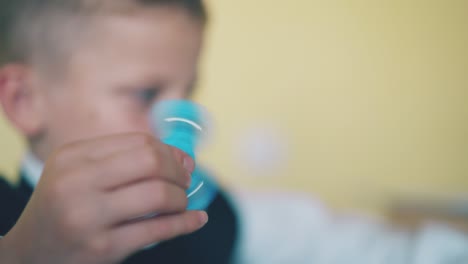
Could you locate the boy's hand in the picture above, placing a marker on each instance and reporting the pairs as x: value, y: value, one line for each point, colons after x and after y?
x: 91, y: 192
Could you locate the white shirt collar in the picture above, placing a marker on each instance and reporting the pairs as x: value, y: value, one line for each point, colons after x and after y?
x: 32, y: 169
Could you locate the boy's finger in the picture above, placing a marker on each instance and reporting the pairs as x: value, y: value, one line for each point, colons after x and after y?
x: 101, y: 147
x: 135, y: 236
x: 139, y: 164
x: 142, y: 199
x: 184, y: 159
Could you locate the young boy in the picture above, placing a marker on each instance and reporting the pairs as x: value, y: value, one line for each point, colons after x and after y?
x: 77, y: 79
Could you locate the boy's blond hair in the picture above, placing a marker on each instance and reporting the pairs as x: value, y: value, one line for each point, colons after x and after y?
x: 34, y: 30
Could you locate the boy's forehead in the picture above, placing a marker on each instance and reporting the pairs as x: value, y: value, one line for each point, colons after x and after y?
x: 165, y: 43
x: 164, y: 33
x: 162, y: 38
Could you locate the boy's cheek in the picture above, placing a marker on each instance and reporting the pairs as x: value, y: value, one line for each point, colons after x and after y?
x: 116, y: 126
x: 80, y: 121
x: 124, y: 122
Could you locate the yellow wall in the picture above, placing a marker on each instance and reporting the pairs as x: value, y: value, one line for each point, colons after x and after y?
x: 11, y: 149
x: 370, y: 98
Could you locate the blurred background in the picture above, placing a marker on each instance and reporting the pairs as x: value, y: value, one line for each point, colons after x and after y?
x: 359, y: 103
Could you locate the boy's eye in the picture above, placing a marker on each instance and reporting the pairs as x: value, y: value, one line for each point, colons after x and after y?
x: 147, y: 96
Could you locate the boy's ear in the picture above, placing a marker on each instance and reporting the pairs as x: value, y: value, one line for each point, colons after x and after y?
x: 20, y: 101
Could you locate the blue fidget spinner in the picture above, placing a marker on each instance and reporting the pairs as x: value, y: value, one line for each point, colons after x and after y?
x: 184, y: 124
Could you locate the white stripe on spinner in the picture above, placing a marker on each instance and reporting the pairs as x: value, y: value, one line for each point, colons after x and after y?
x: 178, y: 119
x: 196, y: 190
